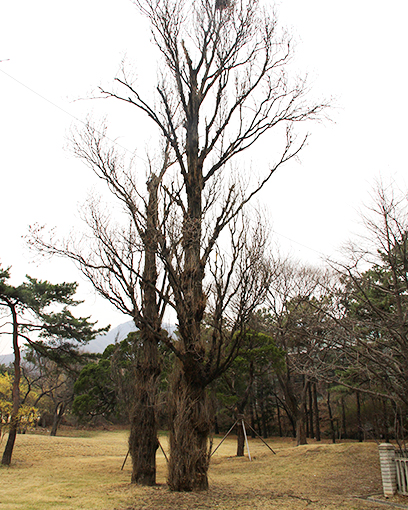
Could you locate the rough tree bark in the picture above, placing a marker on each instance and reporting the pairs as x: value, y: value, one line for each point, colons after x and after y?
x: 58, y: 415
x: 143, y: 439
x: 190, y: 428
x: 8, y: 450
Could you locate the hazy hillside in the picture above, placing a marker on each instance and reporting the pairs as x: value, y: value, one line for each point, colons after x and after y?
x: 117, y: 335
x: 95, y: 346
x: 102, y: 341
x: 6, y: 359
x: 114, y: 335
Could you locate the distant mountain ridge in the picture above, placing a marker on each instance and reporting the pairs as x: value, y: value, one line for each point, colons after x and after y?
x: 99, y: 344
x: 117, y: 335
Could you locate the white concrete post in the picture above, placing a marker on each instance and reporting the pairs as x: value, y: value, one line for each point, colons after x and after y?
x: 388, y: 469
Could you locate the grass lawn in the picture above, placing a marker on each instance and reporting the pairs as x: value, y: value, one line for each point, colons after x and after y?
x: 82, y: 470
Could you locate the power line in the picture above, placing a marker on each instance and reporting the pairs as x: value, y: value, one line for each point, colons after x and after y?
x: 70, y: 114
x: 130, y: 152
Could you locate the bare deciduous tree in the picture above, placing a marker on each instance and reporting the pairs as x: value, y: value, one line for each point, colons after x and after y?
x: 372, y: 306
x: 223, y: 85
x: 297, y: 324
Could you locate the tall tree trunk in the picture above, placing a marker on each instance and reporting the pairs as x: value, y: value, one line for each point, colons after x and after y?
x: 216, y: 426
x: 300, y: 431
x: 295, y: 406
x: 58, y: 414
x: 301, y: 422
x: 189, y: 432
x: 191, y: 426
x: 359, y: 422
x: 143, y: 439
x: 316, y: 412
x: 189, y: 460
x: 8, y: 450
x: 251, y: 407
x: 306, y: 410
x: 343, y: 419
x: 333, y: 431
x: 311, y: 424
x: 279, y: 418
x: 263, y: 412
x: 240, y: 436
x: 386, y: 433
x: 301, y: 417
x: 258, y: 421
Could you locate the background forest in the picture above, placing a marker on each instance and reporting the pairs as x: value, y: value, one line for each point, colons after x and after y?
x: 324, y: 356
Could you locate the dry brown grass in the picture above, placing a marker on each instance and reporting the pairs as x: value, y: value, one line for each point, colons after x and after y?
x: 83, y: 471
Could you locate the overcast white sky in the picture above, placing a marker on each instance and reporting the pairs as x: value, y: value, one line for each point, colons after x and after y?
x: 353, y: 50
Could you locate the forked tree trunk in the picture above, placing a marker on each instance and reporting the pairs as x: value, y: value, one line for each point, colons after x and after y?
x: 295, y: 406
x: 189, y: 433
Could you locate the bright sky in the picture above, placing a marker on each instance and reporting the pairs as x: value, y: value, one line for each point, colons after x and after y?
x: 55, y: 53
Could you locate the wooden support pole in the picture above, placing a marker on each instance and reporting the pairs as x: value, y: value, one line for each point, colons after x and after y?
x: 124, y: 462
x: 127, y: 455
x: 225, y: 437
x: 261, y: 438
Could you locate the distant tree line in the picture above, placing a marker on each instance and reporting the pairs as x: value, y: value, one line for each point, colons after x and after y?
x: 323, y: 356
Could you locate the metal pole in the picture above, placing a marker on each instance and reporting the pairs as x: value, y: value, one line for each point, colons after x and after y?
x: 246, y: 440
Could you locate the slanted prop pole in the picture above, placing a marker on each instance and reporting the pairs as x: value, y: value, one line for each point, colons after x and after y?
x: 124, y: 462
x: 264, y: 442
x: 164, y: 453
x: 127, y: 455
x: 225, y: 437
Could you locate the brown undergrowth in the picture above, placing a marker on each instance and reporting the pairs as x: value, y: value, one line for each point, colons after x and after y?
x: 85, y: 473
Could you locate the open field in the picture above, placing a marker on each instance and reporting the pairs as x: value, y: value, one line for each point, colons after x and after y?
x: 82, y: 470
